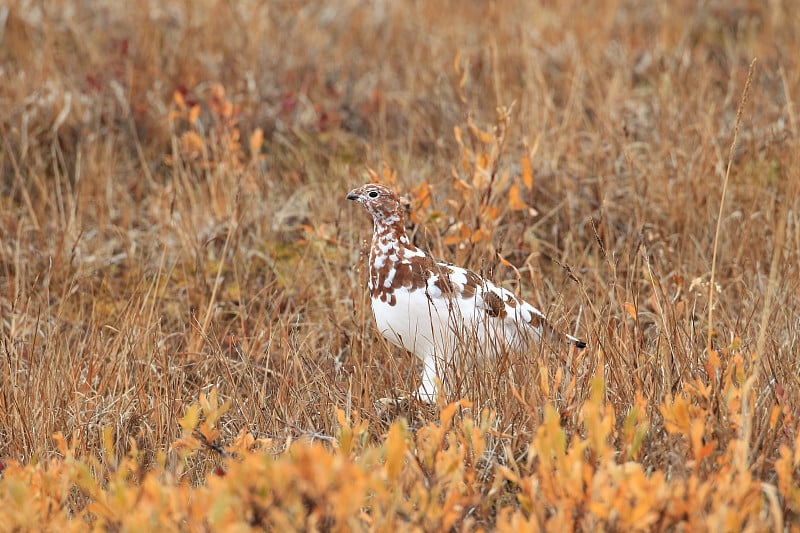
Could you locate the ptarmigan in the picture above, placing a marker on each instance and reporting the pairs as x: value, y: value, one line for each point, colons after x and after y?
x: 432, y: 308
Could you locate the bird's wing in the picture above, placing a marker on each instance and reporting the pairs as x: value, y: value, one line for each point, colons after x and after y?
x: 478, y: 300
x: 518, y: 320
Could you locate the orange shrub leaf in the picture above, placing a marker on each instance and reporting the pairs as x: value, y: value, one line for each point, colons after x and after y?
x: 514, y: 201
x: 457, y: 135
x: 676, y: 416
x: 191, y: 418
x: 256, y: 141
x: 194, y: 114
x: 527, y: 172
x: 631, y: 310
x: 421, y: 195
x: 395, y: 450
x: 179, y: 101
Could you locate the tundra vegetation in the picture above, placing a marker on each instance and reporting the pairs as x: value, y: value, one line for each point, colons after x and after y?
x: 185, y: 337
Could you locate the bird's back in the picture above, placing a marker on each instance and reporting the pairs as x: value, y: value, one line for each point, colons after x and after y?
x: 449, y: 309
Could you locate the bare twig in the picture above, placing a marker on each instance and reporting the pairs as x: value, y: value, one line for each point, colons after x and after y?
x: 742, y: 102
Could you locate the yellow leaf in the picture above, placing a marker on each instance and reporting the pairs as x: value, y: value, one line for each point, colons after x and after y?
x: 389, y: 176
x: 460, y: 233
x: 345, y: 434
x: 179, y: 101
x: 483, y: 136
x: 490, y: 213
x: 681, y: 411
x: 462, y: 185
x: 256, y: 140
x: 773, y: 417
x: 451, y: 240
x: 422, y: 196
x: 191, y: 144
x: 190, y: 419
x: 108, y: 441
x: 457, y: 133
x: 527, y: 172
x: 504, y: 261
x: 209, y: 433
x: 482, y: 161
x: 676, y: 416
x: 705, y: 450
x: 477, y: 236
x: 713, y: 363
x: 631, y: 309
x: 446, y: 415
x: 193, y: 114
x: 509, y: 475
x: 514, y: 201
x: 544, y: 385
x: 189, y: 442
x: 61, y: 443
x: 395, y: 450
x: 680, y: 308
x: 696, y: 432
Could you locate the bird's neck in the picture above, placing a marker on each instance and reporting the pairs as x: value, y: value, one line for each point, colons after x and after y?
x: 390, y: 244
x: 391, y: 231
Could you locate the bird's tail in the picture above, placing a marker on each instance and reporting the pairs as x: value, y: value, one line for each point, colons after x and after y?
x: 577, y: 343
x: 557, y: 337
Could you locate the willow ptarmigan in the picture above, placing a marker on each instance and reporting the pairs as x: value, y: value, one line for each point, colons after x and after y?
x: 432, y: 308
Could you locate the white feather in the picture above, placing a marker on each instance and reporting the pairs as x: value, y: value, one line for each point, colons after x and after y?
x: 435, y: 327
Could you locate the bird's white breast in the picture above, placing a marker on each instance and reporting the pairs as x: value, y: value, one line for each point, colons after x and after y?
x: 415, y: 321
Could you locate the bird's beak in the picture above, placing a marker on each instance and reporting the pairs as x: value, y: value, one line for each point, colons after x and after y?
x: 352, y: 196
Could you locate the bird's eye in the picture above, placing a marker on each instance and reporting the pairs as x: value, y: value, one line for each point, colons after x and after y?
x: 373, y: 194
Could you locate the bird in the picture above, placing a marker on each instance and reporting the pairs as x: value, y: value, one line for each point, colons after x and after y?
x: 433, y: 308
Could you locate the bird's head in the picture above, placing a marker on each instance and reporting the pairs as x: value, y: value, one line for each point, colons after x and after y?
x: 380, y: 201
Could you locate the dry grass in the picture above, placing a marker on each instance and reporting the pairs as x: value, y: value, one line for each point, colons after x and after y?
x: 154, y: 246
